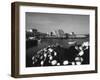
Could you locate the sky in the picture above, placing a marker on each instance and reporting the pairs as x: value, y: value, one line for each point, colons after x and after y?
x: 49, y: 22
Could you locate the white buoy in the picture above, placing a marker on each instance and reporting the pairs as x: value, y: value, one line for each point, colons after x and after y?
x: 80, y: 48
x: 55, y: 54
x: 33, y: 62
x: 86, y: 47
x: 73, y: 63
x: 76, y: 47
x: 45, y: 55
x: 42, y: 62
x: 85, y: 44
x: 41, y: 57
x: 33, y: 58
x: 81, y: 53
x: 78, y: 63
x: 65, y: 62
x: 81, y: 59
x: 58, y: 64
x: 45, y: 49
x: 54, y: 62
x: 77, y: 59
x: 50, y: 49
x: 50, y: 57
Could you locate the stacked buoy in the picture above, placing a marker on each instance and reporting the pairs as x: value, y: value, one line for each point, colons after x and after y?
x: 49, y: 57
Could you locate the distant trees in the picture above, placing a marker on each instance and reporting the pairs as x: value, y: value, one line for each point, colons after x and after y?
x: 51, y: 33
x: 87, y: 35
x: 54, y: 34
x: 66, y: 35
